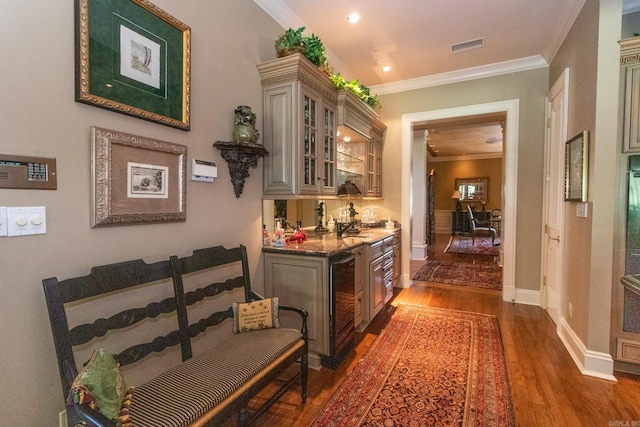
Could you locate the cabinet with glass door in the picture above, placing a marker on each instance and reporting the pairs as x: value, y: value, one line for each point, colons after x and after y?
x: 299, y: 128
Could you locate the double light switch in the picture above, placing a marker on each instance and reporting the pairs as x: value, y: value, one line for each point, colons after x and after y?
x: 23, y: 221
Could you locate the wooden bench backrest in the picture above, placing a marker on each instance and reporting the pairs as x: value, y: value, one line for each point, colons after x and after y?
x: 117, y: 277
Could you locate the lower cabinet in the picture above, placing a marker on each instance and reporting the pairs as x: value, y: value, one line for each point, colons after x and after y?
x: 302, y: 281
x: 378, y: 266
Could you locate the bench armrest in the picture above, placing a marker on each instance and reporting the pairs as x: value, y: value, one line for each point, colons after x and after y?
x: 254, y: 296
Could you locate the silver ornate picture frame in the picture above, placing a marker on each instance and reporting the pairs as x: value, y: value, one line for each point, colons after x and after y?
x: 136, y: 180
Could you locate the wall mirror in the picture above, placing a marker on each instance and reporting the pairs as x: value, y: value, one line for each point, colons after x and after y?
x: 473, y: 189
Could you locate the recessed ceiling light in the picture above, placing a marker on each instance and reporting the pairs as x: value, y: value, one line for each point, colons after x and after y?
x: 386, y: 69
x: 353, y: 18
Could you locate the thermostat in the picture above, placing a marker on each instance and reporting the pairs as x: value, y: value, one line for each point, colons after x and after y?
x: 202, y: 170
x: 35, y: 173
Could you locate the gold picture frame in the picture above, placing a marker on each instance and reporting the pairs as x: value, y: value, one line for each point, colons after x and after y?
x: 133, y: 58
x: 136, y: 180
x: 576, y: 171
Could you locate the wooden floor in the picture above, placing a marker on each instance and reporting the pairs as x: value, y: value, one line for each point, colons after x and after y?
x: 546, y: 386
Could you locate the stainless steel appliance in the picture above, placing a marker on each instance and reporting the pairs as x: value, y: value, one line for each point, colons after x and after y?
x: 342, y: 268
x: 631, y: 314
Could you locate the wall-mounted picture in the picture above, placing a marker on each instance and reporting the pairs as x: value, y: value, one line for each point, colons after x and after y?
x: 134, y: 58
x: 136, y: 180
x: 473, y: 189
x: 576, y: 167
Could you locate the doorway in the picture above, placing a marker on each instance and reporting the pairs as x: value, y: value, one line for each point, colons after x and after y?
x: 511, y: 109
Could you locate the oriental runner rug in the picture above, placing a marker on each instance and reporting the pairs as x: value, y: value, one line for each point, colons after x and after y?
x: 488, y: 276
x: 428, y: 367
x: 464, y: 245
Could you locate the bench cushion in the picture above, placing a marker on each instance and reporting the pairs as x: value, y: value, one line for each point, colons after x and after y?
x: 181, y: 395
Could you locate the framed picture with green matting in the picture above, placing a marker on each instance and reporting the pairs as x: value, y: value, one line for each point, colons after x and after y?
x: 133, y: 58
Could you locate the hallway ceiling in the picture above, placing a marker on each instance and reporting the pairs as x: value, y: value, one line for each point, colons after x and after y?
x: 415, y: 38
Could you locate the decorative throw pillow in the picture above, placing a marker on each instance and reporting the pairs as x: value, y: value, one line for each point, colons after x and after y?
x: 99, y: 385
x: 261, y: 314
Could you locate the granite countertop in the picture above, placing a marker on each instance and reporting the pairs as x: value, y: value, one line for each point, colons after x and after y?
x: 328, y: 244
x: 631, y: 282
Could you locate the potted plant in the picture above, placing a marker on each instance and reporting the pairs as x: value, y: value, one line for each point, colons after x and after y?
x: 290, y: 42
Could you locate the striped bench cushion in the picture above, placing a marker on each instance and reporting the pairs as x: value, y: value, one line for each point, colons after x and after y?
x: 184, y: 393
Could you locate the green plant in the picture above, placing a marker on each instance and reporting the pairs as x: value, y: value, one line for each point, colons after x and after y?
x: 289, y: 42
x: 314, y: 50
x: 361, y: 91
x: 292, y: 41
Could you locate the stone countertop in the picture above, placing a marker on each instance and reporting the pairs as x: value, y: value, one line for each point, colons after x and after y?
x: 329, y: 244
x: 631, y: 282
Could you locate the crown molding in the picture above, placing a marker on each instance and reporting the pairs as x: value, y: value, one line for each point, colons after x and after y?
x: 483, y: 71
x: 482, y: 156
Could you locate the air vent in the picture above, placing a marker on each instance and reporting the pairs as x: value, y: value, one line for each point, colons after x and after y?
x: 471, y: 44
x: 4, y: 175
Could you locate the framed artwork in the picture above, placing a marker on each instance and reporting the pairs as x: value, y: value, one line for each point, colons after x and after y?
x: 473, y: 189
x: 136, y: 180
x: 133, y: 58
x: 576, y: 173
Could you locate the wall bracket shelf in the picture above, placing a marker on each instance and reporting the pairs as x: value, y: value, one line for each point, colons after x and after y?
x: 240, y: 156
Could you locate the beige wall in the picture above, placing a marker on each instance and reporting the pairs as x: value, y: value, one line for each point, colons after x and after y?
x: 591, y: 52
x: 40, y: 118
x: 529, y: 87
x: 447, y: 172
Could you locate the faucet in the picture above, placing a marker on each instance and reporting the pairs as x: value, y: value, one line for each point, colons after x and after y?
x: 341, y: 230
x: 286, y: 224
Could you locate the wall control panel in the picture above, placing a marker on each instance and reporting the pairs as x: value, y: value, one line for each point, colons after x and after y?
x: 34, y: 173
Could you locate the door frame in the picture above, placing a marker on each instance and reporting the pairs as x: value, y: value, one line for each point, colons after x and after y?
x: 559, y: 88
x: 509, y: 185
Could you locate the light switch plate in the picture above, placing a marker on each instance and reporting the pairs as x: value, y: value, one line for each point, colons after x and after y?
x: 3, y: 222
x: 26, y: 221
x: 581, y: 210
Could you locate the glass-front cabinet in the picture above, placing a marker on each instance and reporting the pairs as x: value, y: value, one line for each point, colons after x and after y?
x: 299, y: 128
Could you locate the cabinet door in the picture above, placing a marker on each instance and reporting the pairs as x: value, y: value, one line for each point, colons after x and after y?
x: 329, y: 150
x: 301, y: 281
x: 377, y: 286
x: 632, y: 109
x: 310, y: 132
x: 278, y: 132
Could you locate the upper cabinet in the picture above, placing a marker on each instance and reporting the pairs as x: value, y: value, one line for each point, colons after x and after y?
x: 630, y: 74
x: 317, y: 137
x: 299, y: 128
x: 361, y: 134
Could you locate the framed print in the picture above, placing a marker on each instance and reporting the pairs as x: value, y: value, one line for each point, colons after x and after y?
x: 576, y: 172
x: 136, y: 180
x: 473, y: 189
x: 133, y: 58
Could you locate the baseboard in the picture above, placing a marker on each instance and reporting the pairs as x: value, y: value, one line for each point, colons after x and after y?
x: 589, y: 362
x: 527, y: 297
x: 419, y: 252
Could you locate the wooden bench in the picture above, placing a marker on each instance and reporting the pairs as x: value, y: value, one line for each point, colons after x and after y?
x: 201, y: 389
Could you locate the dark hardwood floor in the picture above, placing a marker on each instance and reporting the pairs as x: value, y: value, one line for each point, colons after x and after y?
x: 547, y: 388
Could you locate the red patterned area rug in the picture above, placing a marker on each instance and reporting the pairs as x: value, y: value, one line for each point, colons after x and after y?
x: 464, y: 245
x: 487, y: 276
x: 428, y: 367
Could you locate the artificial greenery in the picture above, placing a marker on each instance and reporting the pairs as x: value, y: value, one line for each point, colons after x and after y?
x: 361, y: 91
x: 292, y: 41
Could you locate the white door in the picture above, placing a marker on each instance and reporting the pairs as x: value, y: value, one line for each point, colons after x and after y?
x: 553, y: 214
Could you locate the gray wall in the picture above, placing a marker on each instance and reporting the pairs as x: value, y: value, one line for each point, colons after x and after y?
x: 40, y: 118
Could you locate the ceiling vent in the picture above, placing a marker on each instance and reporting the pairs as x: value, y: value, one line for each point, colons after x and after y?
x: 471, y: 44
